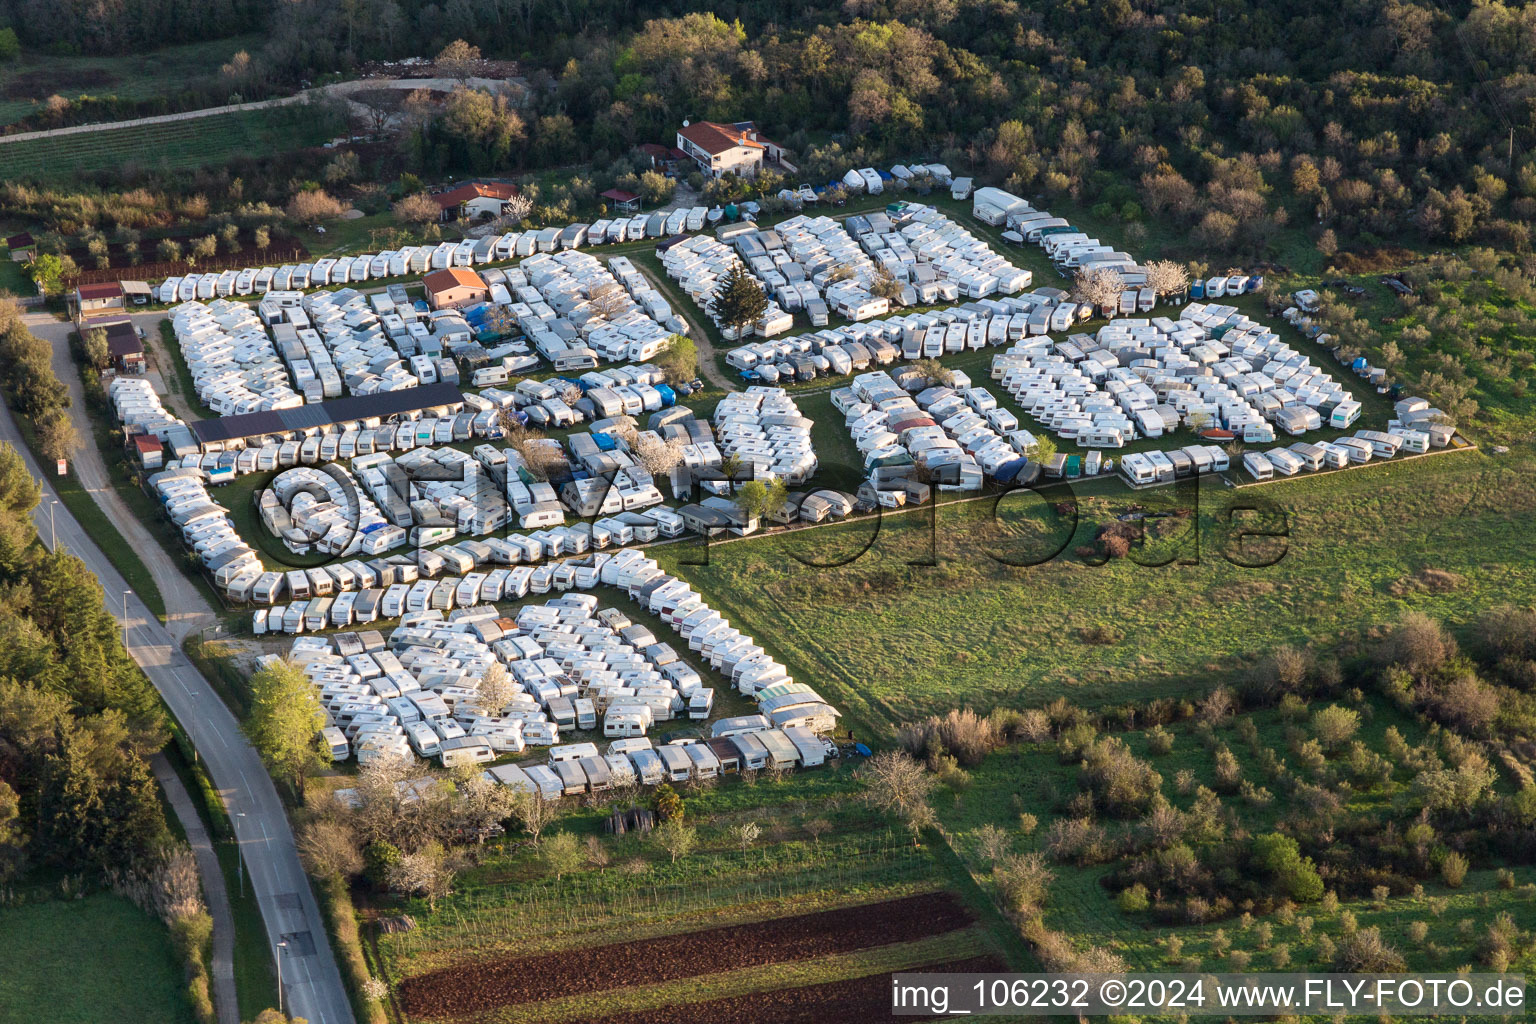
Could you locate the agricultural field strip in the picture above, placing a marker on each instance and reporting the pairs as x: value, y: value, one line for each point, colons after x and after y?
x: 176, y: 144
x: 528, y: 979
x: 683, y: 995
x: 864, y: 998
x: 496, y: 921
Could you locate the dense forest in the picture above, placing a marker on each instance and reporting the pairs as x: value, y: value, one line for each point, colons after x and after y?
x: 1363, y: 122
x: 78, y: 719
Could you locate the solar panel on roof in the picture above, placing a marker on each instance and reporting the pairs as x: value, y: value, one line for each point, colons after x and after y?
x: 355, y: 407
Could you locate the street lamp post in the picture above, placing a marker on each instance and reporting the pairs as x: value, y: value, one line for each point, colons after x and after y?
x: 53, y: 534
x: 280, y: 947
x: 240, y: 859
x: 126, y: 594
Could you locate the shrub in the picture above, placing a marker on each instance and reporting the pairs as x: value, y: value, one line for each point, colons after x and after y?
x: 1122, y: 783
x: 965, y: 735
x: 1024, y: 880
x: 1453, y: 870
x: 1074, y: 741
x: 1077, y: 840
x: 1134, y: 899
x: 1418, y: 931
x: 1159, y: 741
x: 1365, y: 952
x: 314, y: 205
x: 1334, y: 725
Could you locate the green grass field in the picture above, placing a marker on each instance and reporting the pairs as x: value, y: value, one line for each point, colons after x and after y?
x: 886, y: 640
x: 145, y: 75
x: 171, y: 145
x: 97, y: 960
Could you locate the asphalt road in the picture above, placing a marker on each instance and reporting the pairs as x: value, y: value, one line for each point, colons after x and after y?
x: 186, y: 610
x: 312, y: 983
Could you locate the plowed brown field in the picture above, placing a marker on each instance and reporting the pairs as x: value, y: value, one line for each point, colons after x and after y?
x: 857, y: 999
x: 474, y: 987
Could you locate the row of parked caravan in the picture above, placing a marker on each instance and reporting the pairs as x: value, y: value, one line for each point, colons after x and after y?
x: 803, y: 258
x: 871, y: 180
x: 204, y: 525
x: 762, y: 428
x: 736, y: 656
x: 233, y: 365
x: 747, y: 746
x: 418, y: 259
x: 919, y: 245
x: 1071, y: 249
x: 346, y: 341
x: 956, y: 433
x: 320, y: 510
x: 572, y: 667
x: 576, y: 312
x: 139, y: 408
x: 1212, y: 369
x: 1360, y: 447
x: 854, y: 347
x: 700, y: 265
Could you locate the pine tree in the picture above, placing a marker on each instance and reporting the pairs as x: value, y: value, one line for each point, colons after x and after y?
x: 739, y: 301
x: 69, y: 804
x: 134, y: 822
x: 667, y: 804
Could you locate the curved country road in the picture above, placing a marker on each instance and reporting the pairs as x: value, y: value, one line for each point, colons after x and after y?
x: 311, y: 980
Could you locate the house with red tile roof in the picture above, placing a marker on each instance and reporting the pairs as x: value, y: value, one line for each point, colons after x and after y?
x: 720, y: 149
x: 477, y: 200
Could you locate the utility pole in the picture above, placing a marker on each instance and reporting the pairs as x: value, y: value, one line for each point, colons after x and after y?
x: 280, y: 947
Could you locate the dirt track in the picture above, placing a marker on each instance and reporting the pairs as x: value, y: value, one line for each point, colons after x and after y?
x: 472, y: 988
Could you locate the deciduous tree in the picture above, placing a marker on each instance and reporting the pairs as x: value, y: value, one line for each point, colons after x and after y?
x: 284, y: 723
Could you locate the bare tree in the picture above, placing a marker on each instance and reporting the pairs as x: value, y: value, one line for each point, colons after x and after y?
x: 538, y: 453
x: 1101, y: 288
x: 530, y: 810
x: 416, y: 210
x: 329, y: 849
x: 818, y: 827
x: 609, y: 299
x: 1166, y: 278
x: 481, y: 805
x: 885, y: 286
x: 424, y: 873
x: 597, y: 854
x: 657, y: 456
x: 495, y: 691
x: 897, y: 784
x: 313, y: 205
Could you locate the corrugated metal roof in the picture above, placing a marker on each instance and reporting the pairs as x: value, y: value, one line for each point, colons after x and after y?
x: 355, y: 407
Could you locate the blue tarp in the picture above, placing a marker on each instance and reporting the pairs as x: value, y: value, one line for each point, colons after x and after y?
x: 605, y: 442
x: 668, y: 396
